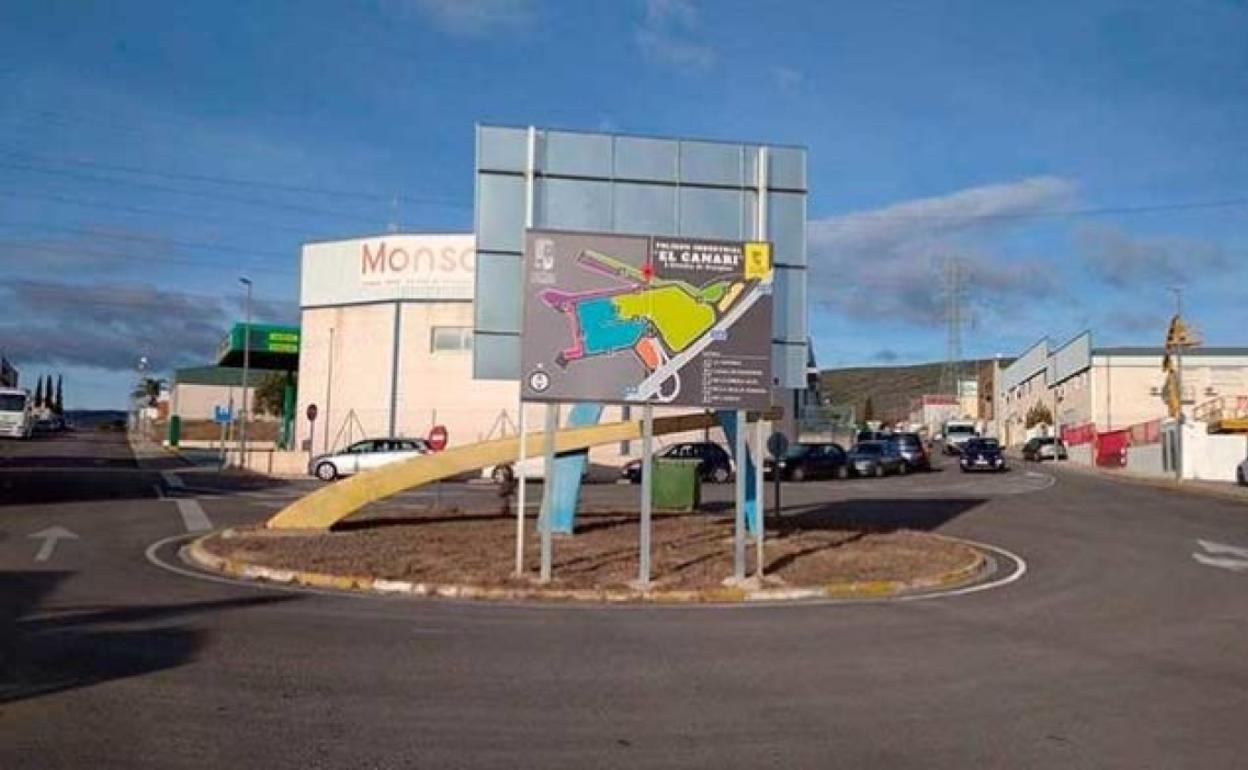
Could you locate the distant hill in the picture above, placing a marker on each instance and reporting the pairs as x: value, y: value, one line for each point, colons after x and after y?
x: 892, y: 389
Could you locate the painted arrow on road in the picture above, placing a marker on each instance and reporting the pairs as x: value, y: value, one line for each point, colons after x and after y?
x: 50, y: 537
x: 1222, y: 555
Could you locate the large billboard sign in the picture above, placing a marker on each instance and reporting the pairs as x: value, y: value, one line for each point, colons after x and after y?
x: 387, y: 268
x: 635, y: 319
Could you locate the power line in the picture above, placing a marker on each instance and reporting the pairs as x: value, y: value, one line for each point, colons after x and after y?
x: 239, y: 181
x: 1053, y: 213
x: 70, y: 250
x: 149, y: 239
x: 307, y: 210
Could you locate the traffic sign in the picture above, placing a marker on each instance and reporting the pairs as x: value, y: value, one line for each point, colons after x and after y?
x: 221, y: 415
x: 437, y: 438
x: 778, y: 445
x: 311, y: 412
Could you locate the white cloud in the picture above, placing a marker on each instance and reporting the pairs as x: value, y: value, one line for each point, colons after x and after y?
x: 787, y: 79
x: 472, y: 18
x: 669, y: 35
x: 887, y: 261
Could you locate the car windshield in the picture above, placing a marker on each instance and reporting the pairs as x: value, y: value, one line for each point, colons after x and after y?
x: 985, y: 444
x: 12, y: 402
x: 869, y: 448
x: 798, y: 450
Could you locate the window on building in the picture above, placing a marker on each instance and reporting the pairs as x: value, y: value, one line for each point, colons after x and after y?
x: 451, y: 339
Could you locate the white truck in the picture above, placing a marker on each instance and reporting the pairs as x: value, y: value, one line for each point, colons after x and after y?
x: 957, y: 433
x: 16, y: 416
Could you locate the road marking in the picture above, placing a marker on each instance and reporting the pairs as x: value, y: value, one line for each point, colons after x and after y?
x: 172, y: 480
x: 193, y: 516
x: 50, y: 536
x: 1231, y: 557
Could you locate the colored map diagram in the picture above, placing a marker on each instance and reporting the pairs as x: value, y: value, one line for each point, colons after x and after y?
x: 660, y: 313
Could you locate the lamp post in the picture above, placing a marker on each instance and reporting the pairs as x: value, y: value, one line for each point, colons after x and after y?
x: 242, y: 431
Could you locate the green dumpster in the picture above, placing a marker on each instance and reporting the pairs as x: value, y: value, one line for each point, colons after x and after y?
x: 175, y: 430
x: 675, y: 485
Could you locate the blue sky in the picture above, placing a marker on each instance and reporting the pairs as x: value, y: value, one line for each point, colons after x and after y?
x: 1077, y: 158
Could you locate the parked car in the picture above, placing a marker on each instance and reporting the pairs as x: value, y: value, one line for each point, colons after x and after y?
x: 1041, y: 448
x: 1241, y: 473
x: 982, y: 454
x: 876, y: 458
x: 810, y: 461
x: 956, y: 433
x: 504, y: 474
x: 366, y: 455
x: 871, y: 435
x: 714, y: 463
x: 913, y: 451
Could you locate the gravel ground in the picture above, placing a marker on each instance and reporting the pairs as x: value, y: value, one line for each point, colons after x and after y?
x: 690, y: 551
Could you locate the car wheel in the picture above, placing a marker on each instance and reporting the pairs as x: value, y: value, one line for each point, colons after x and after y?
x: 720, y: 475
x: 502, y: 475
x: 797, y: 474
x: 842, y: 472
x: 326, y: 471
x: 903, y: 469
x: 879, y: 471
x: 1239, y: 476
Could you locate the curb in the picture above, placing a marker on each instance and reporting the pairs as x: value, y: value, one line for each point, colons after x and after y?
x: 1125, y: 477
x: 866, y: 589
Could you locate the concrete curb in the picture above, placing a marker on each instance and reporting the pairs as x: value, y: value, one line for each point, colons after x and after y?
x: 870, y: 589
x: 1190, y: 487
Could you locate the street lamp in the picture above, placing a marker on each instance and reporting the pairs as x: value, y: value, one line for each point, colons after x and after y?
x: 242, y: 431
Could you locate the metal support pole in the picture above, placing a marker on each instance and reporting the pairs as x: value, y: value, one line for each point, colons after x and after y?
x: 548, y: 487
x: 647, y: 493
x: 760, y: 495
x: 520, y: 479
x: 242, y: 431
x: 738, y: 534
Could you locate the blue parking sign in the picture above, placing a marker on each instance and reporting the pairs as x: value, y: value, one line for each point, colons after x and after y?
x: 221, y: 414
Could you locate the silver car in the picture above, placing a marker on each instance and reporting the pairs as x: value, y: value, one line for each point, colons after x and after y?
x: 365, y: 456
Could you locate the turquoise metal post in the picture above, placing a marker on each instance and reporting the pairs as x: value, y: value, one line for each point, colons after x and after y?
x: 566, y: 490
x: 728, y: 421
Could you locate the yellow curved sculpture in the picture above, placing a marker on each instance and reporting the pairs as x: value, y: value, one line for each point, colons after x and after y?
x: 335, y: 502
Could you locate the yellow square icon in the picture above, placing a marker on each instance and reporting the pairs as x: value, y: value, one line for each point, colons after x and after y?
x: 757, y: 260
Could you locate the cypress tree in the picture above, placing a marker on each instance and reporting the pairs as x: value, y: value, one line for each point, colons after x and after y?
x: 39, y: 394
x: 59, y: 405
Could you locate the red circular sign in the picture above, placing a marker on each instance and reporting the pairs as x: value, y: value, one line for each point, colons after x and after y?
x: 437, y: 438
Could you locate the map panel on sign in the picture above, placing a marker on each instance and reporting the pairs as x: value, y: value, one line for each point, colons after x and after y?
x: 635, y: 319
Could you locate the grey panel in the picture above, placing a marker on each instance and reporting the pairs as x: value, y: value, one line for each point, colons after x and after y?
x: 645, y: 209
x: 789, y: 306
x: 786, y: 167
x: 495, y: 357
x: 707, y: 213
x: 786, y: 226
x: 711, y: 163
x: 561, y: 152
x: 500, y: 213
x: 502, y: 149
x: 571, y: 204
x: 788, y: 363
x: 642, y: 158
x: 749, y: 215
x: 497, y: 308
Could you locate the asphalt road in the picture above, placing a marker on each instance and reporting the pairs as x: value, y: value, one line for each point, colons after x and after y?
x: 1124, y: 645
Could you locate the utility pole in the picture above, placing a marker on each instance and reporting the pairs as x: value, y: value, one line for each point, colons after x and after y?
x: 242, y: 430
x: 951, y: 374
x: 1178, y: 384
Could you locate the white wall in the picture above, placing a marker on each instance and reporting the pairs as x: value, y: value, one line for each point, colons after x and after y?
x: 1145, y: 459
x: 1211, y: 457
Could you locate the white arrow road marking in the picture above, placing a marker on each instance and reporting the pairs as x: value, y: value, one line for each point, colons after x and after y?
x: 50, y: 537
x: 1232, y: 557
x: 172, y: 480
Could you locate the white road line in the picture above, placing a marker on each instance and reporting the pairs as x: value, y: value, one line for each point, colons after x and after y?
x: 193, y: 516
x: 1233, y: 557
x: 172, y: 480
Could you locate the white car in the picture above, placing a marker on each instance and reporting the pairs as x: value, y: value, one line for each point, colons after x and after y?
x: 366, y: 455
x: 534, y: 470
x: 1241, y: 473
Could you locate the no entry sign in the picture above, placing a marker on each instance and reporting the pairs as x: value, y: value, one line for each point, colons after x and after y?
x: 437, y: 438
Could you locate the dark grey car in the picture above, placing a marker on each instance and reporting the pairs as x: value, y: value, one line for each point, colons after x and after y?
x: 876, y: 458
